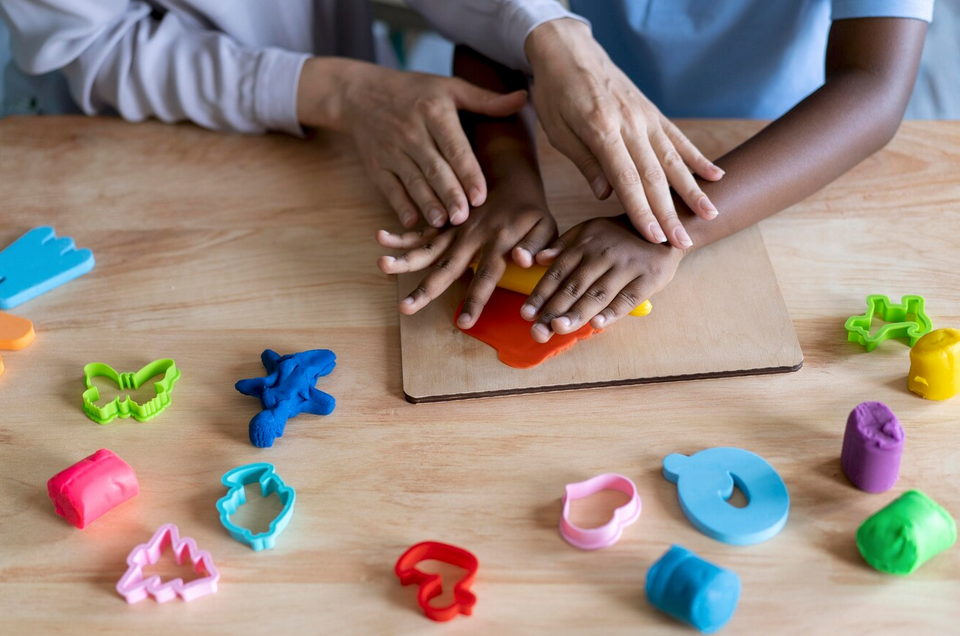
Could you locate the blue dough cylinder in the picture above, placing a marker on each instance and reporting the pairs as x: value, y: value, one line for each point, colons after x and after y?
x: 693, y: 590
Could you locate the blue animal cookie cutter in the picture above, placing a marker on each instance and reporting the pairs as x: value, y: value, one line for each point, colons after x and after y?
x: 693, y: 590
x: 37, y: 262
x: 705, y: 482
x: 288, y: 390
x: 270, y: 483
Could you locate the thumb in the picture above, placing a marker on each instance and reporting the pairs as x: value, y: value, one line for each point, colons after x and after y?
x: 484, y: 102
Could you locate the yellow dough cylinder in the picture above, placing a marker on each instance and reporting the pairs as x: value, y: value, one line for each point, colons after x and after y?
x: 935, y: 365
x: 523, y: 281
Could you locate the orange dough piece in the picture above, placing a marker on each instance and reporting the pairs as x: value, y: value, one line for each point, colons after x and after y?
x: 15, y: 332
x: 501, y: 326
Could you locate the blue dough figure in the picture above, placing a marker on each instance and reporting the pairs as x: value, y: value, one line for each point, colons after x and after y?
x: 288, y: 390
x: 692, y: 590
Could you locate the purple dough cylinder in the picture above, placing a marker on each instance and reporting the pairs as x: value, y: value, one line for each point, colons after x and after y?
x: 872, y: 447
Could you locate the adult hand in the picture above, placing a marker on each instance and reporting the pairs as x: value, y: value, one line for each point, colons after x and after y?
x: 593, y: 113
x: 407, y: 130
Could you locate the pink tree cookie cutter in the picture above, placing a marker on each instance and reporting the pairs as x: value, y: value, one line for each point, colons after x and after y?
x: 134, y: 588
x: 609, y: 533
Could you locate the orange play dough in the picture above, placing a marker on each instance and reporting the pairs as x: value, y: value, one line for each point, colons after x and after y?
x: 501, y: 326
x: 15, y: 332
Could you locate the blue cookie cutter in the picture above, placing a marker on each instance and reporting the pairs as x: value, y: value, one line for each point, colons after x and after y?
x: 37, y: 262
x: 270, y: 482
x: 705, y: 482
x: 288, y: 390
x: 692, y: 590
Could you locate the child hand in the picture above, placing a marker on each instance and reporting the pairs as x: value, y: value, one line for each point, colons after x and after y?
x: 499, y: 229
x: 600, y: 270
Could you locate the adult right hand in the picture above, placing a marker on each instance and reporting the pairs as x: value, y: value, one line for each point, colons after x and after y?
x: 596, y: 116
x: 407, y: 130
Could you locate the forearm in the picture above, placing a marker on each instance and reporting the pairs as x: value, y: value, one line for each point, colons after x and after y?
x: 854, y: 114
x: 505, y: 147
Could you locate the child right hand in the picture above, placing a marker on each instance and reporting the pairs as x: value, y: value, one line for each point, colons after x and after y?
x: 504, y: 227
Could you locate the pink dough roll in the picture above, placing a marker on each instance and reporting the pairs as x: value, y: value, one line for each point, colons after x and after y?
x: 92, y: 487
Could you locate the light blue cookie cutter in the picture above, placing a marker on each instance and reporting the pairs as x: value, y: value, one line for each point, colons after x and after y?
x: 705, y: 482
x: 270, y: 482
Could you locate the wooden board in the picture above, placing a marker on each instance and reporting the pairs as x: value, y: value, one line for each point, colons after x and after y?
x: 723, y: 315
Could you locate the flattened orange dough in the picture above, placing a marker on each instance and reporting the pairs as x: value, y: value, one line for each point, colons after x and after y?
x: 15, y: 332
x: 501, y: 326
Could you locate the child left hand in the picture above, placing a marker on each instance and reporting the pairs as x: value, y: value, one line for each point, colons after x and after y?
x: 508, y: 223
x: 600, y: 270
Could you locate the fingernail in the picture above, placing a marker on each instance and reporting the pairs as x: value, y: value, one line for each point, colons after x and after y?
x: 524, y: 253
x: 564, y: 322
x: 550, y: 253
x: 529, y: 312
x: 389, y: 259
x: 407, y: 301
x: 682, y: 237
x: 475, y: 196
x: 436, y: 217
x: 657, y: 232
x: 707, y: 206
x: 463, y: 320
x: 454, y: 211
x: 718, y: 169
x: 599, y: 319
x: 542, y: 330
x: 598, y: 185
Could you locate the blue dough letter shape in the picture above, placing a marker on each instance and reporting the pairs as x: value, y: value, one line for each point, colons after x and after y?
x: 288, y: 390
x: 705, y: 482
x: 37, y: 262
x: 270, y: 483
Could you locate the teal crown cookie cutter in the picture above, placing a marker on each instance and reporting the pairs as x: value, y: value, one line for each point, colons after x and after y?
x: 907, y: 320
x: 127, y: 407
x: 270, y: 482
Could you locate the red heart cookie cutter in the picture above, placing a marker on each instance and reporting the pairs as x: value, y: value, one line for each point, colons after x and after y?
x: 430, y: 584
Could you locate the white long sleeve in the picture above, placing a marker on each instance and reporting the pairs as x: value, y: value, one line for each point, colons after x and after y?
x: 496, y: 28
x: 119, y: 54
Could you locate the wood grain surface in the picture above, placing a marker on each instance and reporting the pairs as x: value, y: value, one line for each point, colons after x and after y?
x: 212, y: 247
x: 721, y: 316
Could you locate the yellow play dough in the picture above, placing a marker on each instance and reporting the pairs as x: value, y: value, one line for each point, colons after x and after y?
x: 523, y: 281
x: 935, y: 365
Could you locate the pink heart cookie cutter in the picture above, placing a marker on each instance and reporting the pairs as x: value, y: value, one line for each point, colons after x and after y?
x: 134, y: 588
x: 609, y: 533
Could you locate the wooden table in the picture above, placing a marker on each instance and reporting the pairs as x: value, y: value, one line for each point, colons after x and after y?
x: 211, y: 248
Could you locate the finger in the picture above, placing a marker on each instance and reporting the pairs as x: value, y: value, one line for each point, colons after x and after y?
x: 419, y: 258
x: 536, y: 239
x: 567, y: 142
x: 570, y: 291
x: 396, y: 196
x: 690, y: 154
x: 489, y: 272
x: 545, y: 288
x: 447, y: 269
x: 594, y: 300
x: 680, y: 178
x: 443, y: 182
x: 407, y: 240
x: 634, y: 293
x: 658, y: 193
x: 418, y: 188
x: 621, y: 170
x: 467, y: 96
x: 453, y: 144
x: 568, y: 238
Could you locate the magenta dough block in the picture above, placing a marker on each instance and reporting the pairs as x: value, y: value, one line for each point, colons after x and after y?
x: 92, y: 487
x: 872, y: 447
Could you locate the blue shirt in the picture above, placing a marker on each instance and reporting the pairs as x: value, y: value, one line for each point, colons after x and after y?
x: 728, y: 58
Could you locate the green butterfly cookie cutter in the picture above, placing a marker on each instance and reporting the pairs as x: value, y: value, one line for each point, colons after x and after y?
x: 126, y: 382
x: 906, y: 320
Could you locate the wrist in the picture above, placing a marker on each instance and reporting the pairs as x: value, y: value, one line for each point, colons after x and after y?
x: 323, y: 89
x: 565, y: 35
